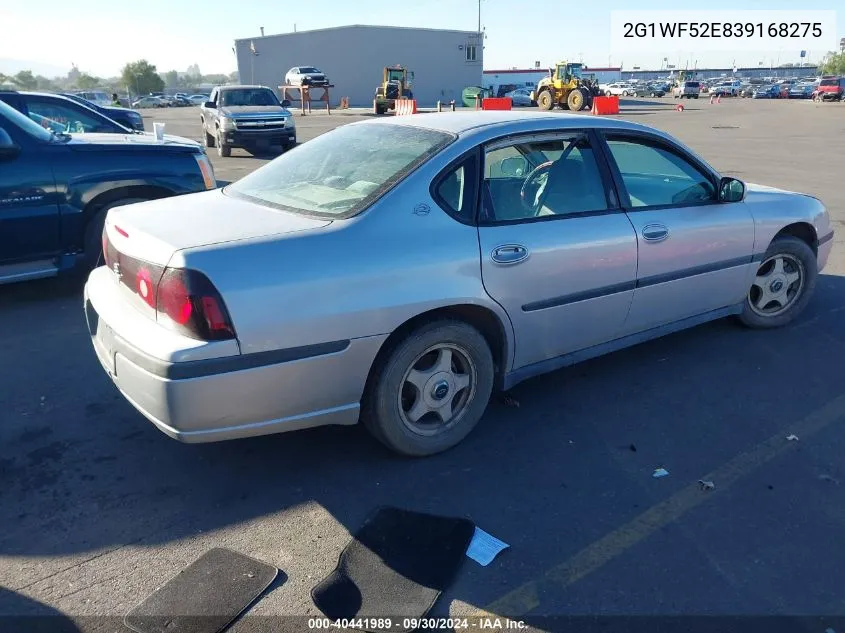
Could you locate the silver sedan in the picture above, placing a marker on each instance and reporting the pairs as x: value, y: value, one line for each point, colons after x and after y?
x: 396, y: 271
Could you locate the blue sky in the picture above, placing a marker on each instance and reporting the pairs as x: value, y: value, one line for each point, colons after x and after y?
x: 101, y: 35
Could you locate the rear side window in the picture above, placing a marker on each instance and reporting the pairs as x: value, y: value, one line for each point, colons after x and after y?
x: 455, y: 190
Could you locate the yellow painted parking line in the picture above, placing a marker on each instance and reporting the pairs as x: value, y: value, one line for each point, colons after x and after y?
x: 528, y: 597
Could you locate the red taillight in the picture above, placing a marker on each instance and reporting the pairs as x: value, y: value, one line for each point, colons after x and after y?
x: 192, y: 305
x: 144, y: 286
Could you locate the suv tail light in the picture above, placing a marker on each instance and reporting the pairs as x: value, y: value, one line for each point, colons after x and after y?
x: 184, y: 300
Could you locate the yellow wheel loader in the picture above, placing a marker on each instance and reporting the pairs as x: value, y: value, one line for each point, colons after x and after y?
x: 565, y: 87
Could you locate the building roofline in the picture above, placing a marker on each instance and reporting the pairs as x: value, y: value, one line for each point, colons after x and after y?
x: 513, y: 71
x: 355, y: 26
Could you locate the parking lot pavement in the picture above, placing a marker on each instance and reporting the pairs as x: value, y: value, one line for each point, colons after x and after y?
x: 99, y: 508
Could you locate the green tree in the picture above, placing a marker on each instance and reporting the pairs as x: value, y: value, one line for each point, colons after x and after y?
x: 171, y: 78
x: 141, y: 76
x: 25, y: 79
x: 43, y: 83
x: 834, y: 64
x: 217, y: 78
x: 87, y: 82
x: 4, y: 78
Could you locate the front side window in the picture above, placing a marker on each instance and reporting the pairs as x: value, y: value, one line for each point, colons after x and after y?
x: 656, y: 176
x: 60, y: 117
x: 340, y: 173
x: 535, y: 178
x: 25, y: 124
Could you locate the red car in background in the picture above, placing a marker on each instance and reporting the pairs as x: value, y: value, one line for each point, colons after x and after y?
x: 830, y: 89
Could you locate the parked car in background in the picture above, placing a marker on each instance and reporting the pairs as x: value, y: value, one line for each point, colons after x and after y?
x: 271, y: 288
x: 767, y: 92
x: 125, y: 116
x: 521, y: 97
x: 800, y: 91
x: 746, y: 91
x: 100, y: 97
x: 56, y: 189
x: 687, y: 90
x: 250, y: 117
x: 306, y: 76
x: 61, y: 114
x: 619, y: 89
x: 198, y: 100
x: 830, y: 89
x: 148, y: 102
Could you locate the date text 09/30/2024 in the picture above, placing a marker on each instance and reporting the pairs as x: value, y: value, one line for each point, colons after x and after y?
x: 413, y: 624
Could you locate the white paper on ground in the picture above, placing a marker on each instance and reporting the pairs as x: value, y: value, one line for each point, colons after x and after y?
x: 483, y: 547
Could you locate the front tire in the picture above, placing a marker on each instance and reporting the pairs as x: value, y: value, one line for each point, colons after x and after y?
x: 783, y: 285
x: 431, y: 390
x: 224, y: 151
x: 207, y: 139
x: 545, y: 101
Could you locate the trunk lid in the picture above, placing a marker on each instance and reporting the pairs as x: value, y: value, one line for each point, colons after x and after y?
x: 153, y: 231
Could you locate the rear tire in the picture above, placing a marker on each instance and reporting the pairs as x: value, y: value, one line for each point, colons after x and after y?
x: 94, y: 232
x: 392, y: 402
x: 797, y: 261
x: 575, y: 100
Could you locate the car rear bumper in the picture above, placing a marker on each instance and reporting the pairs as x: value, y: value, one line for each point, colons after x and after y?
x: 228, y: 397
x: 253, y: 138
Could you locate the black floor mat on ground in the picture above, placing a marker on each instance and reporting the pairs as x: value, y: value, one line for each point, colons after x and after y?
x: 396, y: 566
x: 205, y: 597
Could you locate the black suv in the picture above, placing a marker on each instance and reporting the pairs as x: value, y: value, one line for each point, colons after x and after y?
x: 56, y: 189
x: 127, y: 117
x: 61, y: 114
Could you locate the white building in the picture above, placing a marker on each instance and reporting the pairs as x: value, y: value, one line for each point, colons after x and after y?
x: 353, y: 59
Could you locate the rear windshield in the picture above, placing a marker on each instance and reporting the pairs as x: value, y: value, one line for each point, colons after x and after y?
x: 342, y: 172
x: 691, y: 84
x: 829, y: 82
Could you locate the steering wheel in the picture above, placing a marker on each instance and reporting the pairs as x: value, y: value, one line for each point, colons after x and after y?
x: 693, y: 193
x: 532, y: 185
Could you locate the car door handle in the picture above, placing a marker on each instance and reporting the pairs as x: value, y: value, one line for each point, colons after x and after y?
x: 655, y: 232
x: 509, y: 254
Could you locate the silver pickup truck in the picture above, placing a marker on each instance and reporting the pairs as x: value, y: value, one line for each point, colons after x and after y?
x: 249, y: 117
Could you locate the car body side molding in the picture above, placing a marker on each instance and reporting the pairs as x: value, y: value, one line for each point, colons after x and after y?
x: 212, y: 366
x: 513, y: 378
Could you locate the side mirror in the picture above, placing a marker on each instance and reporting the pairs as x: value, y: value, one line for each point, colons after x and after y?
x: 285, y: 103
x: 731, y: 190
x: 210, y: 105
x: 8, y: 148
x: 514, y: 167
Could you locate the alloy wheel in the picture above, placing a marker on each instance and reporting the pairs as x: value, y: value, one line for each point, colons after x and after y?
x: 777, y: 286
x: 437, y: 389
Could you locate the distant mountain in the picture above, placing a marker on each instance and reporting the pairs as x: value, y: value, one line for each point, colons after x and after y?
x: 11, y: 66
